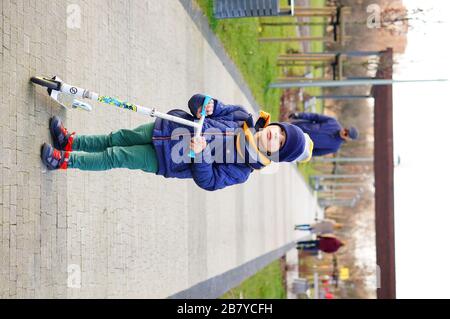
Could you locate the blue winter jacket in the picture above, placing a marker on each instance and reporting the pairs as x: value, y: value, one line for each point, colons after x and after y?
x: 323, y: 130
x: 206, y: 173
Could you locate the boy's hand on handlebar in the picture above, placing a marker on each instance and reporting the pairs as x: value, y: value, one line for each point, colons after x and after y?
x: 198, y: 144
x: 209, y: 109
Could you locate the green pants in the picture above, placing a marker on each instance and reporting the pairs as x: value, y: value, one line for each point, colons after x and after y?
x: 132, y: 149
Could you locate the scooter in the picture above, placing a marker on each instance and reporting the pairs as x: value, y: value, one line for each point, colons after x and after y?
x: 66, y: 95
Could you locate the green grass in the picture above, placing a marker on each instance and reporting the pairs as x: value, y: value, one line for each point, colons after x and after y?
x: 256, y: 61
x: 265, y: 284
x: 307, y: 170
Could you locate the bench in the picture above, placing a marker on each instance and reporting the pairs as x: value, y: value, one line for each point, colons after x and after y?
x: 226, y: 9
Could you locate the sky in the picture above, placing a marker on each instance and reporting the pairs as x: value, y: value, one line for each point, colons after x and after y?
x: 422, y: 141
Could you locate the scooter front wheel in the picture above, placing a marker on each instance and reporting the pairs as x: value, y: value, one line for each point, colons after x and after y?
x: 48, y: 83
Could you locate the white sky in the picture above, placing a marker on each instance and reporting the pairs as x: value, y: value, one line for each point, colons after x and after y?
x: 422, y: 140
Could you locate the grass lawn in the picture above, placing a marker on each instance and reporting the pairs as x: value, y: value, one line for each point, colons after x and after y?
x: 256, y: 61
x: 265, y: 284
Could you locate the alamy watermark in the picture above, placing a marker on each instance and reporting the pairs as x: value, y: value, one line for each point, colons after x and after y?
x: 73, y: 20
x: 374, y: 19
x: 74, y: 276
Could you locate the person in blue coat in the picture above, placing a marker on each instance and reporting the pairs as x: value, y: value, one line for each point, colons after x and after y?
x: 231, y: 147
x: 325, y: 131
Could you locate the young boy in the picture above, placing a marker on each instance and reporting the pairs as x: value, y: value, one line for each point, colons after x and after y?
x: 231, y: 146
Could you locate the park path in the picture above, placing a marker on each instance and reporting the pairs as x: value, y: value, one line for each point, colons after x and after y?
x: 71, y: 234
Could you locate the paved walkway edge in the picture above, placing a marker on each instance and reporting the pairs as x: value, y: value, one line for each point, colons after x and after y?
x: 216, y: 286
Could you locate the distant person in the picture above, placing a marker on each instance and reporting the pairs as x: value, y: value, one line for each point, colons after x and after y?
x: 326, y: 132
x: 326, y: 243
x: 325, y: 226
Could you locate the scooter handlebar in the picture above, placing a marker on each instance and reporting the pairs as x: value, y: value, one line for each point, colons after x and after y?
x: 198, y: 132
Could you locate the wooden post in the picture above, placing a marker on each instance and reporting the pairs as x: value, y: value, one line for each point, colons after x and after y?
x: 299, y: 39
x: 347, y: 83
x: 325, y: 54
x: 312, y: 63
x: 281, y: 24
x: 343, y: 97
x: 299, y: 78
x: 312, y: 14
x: 322, y: 10
x: 305, y: 58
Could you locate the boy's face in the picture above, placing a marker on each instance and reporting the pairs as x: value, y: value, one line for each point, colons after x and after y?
x: 270, y: 139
